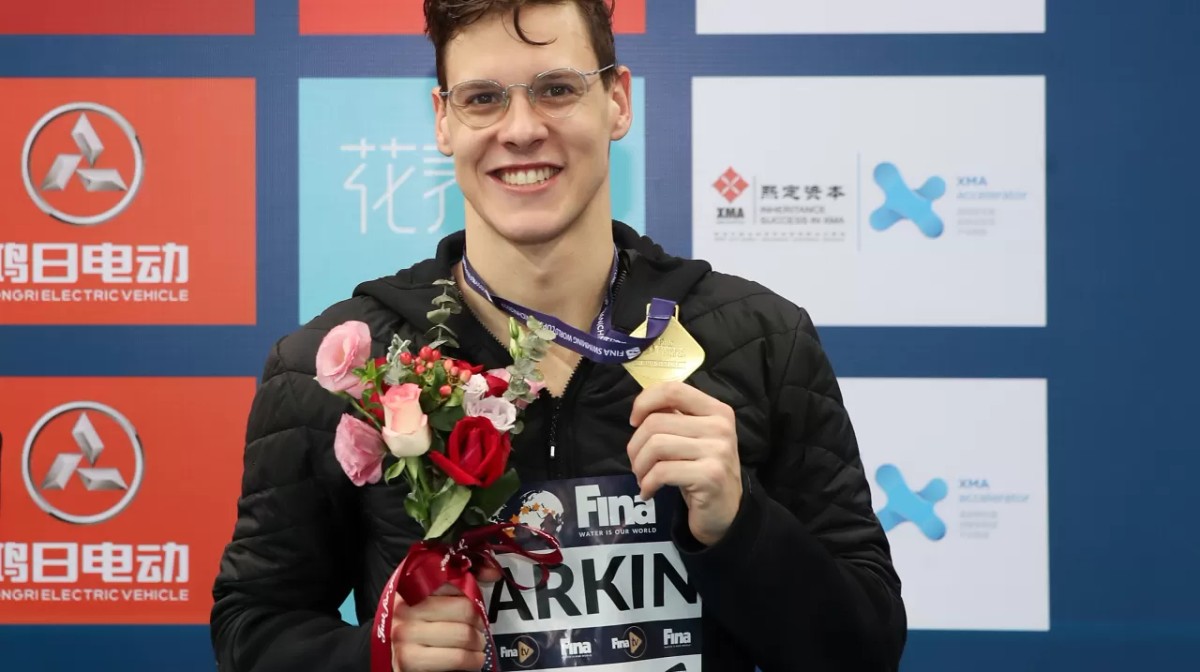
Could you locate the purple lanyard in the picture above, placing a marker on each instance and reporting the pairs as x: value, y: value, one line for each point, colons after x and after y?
x: 603, y: 343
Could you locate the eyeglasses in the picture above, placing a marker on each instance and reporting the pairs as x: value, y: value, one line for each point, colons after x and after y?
x: 479, y: 103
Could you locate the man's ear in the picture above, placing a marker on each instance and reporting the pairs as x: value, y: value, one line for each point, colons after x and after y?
x: 441, y: 122
x: 621, y: 102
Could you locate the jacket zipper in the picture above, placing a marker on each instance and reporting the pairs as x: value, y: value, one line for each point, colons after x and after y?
x: 554, y: 462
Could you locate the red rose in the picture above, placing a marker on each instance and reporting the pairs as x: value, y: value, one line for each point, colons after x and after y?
x: 476, y: 454
x: 496, y: 386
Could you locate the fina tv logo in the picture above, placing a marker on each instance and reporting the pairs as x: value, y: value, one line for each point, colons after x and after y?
x: 901, y: 202
x: 633, y: 642
x: 904, y: 505
x: 524, y: 651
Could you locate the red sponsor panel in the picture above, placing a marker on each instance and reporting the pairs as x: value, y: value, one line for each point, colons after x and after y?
x: 127, y: 201
x: 390, y: 17
x: 127, y: 17
x: 116, y: 499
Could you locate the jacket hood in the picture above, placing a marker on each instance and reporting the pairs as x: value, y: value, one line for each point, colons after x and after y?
x: 650, y: 272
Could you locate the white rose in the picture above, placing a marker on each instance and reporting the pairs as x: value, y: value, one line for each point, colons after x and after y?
x: 500, y: 411
x: 475, y: 388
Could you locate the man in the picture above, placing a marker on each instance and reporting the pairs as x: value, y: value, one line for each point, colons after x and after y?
x: 776, y: 529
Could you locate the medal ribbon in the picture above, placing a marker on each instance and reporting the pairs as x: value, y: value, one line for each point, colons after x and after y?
x: 603, y: 343
x: 429, y: 565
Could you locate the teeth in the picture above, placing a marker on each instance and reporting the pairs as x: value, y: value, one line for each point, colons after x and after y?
x: 524, y: 177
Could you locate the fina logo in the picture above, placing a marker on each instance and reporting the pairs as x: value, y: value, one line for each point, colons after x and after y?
x: 616, y: 511
x: 633, y: 642
x: 674, y: 639
x: 573, y: 649
x: 524, y: 651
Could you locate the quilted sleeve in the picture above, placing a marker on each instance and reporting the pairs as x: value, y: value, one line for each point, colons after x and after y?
x: 806, y: 555
x: 294, y: 547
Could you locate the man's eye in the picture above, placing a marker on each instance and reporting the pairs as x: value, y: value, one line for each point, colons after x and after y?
x: 488, y: 98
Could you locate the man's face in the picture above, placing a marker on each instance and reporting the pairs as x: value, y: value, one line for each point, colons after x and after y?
x: 530, y: 177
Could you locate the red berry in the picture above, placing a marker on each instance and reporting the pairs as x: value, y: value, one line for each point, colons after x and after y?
x: 435, y: 355
x: 405, y: 358
x: 454, y: 371
x: 420, y: 369
x: 425, y: 353
x: 444, y: 390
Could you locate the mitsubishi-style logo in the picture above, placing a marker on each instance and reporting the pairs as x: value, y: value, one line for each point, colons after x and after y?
x: 904, y: 203
x: 730, y: 185
x: 905, y: 505
x: 84, y: 457
x: 87, y: 161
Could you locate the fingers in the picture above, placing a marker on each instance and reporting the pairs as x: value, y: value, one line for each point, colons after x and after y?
x: 681, y: 474
x: 417, y: 658
x: 675, y: 424
x: 665, y: 448
x: 445, y: 635
x: 675, y: 396
x: 439, y: 608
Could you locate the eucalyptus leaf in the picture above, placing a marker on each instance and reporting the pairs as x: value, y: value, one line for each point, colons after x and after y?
x: 445, y: 510
x: 438, y: 315
x: 443, y: 299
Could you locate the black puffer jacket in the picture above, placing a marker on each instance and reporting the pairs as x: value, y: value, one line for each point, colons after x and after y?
x: 802, y: 581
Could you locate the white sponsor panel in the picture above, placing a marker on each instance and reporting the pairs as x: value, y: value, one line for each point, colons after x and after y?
x: 878, y: 201
x: 721, y: 17
x: 957, y: 469
x: 621, y: 598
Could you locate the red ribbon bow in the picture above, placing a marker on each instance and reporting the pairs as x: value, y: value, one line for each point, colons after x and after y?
x: 430, y: 565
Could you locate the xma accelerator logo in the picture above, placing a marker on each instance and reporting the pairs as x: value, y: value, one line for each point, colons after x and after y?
x: 902, y: 203
x: 904, y: 505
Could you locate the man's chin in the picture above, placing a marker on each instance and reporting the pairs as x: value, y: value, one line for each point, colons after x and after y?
x: 525, y: 231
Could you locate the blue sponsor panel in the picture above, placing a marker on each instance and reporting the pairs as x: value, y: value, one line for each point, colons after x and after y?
x: 376, y: 194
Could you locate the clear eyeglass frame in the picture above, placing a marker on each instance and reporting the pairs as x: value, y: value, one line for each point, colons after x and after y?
x: 462, y: 97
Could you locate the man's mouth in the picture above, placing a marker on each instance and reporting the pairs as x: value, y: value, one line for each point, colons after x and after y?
x: 521, y: 177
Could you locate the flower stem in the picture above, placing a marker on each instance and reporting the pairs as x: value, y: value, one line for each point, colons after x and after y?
x: 362, y: 410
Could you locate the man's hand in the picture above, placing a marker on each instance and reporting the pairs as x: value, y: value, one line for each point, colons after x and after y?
x: 441, y: 634
x: 688, y: 439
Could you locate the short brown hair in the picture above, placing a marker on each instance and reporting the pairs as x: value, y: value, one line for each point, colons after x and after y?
x: 444, y: 19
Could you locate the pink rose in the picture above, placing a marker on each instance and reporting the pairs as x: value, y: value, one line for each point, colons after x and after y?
x: 344, y: 349
x: 405, y: 427
x: 359, y: 450
x: 534, y: 386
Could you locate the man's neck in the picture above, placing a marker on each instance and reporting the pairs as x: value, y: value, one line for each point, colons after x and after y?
x: 566, y: 278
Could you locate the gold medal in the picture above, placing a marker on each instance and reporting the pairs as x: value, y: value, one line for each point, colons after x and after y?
x: 674, y: 355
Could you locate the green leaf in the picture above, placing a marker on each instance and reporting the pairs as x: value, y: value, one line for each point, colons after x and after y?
x: 446, y: 508
x: 443, y: 299
x: 417, y: 509
x: 517, y: 428
x: 393, y: 472
x: 439, y: 375
x: 492, y: 498
x: 438, y: 315
x: 446, y: 417
x: 444, y: 283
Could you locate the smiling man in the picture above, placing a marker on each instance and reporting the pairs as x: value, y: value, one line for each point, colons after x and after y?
x: 774, y: 522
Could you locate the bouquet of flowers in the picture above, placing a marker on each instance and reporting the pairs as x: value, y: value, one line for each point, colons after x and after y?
x: 449, y: 425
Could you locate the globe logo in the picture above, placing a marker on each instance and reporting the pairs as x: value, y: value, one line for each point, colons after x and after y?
x: 540, y: 510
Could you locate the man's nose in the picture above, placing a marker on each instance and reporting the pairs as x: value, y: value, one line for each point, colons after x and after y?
x: 522, y: 124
